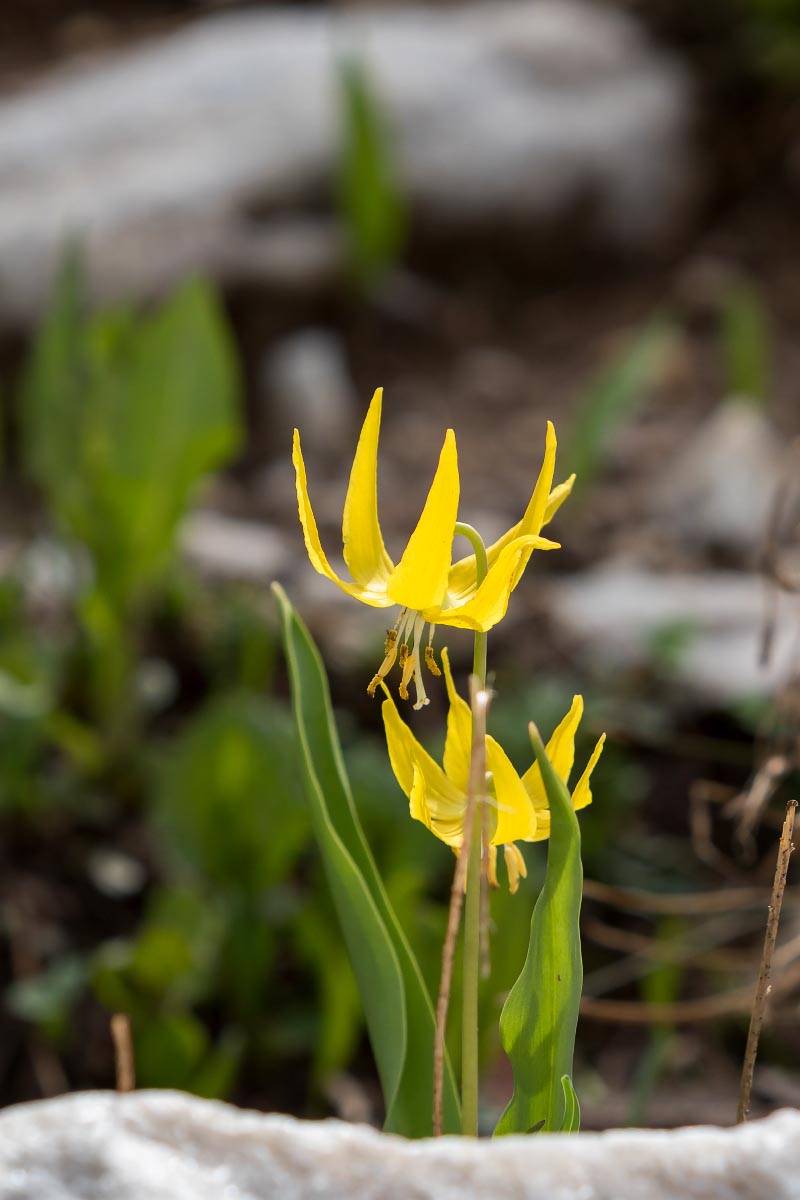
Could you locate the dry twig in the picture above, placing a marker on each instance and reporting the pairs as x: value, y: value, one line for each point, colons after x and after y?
x: 123, y: 1052
x: 764, y: 987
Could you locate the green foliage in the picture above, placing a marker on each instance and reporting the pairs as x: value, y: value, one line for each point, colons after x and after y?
x: 540, y: 1016
x: 615, y: 397
x: 745, y: 341
x: 230, y: 802
x: 396, y: 1004
x: 768, y: 35
x: 369, y: 196
x: 123, y: 415
x: 47, y: 999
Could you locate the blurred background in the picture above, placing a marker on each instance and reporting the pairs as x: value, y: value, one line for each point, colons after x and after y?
x: 221, y: 220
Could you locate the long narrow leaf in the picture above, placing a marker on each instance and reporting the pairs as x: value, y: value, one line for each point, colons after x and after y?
x: 540, y: 1016
x: 397, y: 1006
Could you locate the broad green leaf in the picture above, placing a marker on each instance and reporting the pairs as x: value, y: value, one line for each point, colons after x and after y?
x: 572, y: 1109
x: 540, y: 1016
x: 122, y: 416
x: 397, y: 1007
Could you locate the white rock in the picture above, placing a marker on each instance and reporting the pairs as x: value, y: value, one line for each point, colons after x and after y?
x: 223, y: 547
x: 719, y: 489
x: 169, y: 1146
x: 305, y: 383
x: 617, y: 610
x: 498, y: 111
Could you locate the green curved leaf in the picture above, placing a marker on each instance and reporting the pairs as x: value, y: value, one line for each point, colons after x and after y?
x: 397, y: 1006
x: 572, y: 1108
x: 540, y: 1016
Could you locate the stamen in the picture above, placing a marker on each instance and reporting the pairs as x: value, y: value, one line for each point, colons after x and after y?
x: 515, y: 866
x: 422, y: 699
x: 408, y: 662
x: 390, y: 654
x: 491, y: 867
x: 430, y: 661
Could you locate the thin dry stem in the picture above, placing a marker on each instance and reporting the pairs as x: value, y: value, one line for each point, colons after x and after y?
x: 764, y: 988
x: 477, y: 776
x: 123, y: 1052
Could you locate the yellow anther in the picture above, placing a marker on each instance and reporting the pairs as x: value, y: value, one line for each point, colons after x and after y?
x: 430, y: 661
x: 403, y: 691
x: 373, y: 685
x: 391, y: 638
x: 403, y: 655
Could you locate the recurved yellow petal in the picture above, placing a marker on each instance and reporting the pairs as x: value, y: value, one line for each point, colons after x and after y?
x: 316, y: 554
x: 560, y: 751
x: 436, y: 802
x: 514, y: 812
x: 489, y: 604
x: 582, y: 795
x: 409, y: 759
x: 462, y: 579
x: 364, y: 551
x: 400, y: 742
x: 459, y: 731
x: 420, y: 578
x: 557, y: 497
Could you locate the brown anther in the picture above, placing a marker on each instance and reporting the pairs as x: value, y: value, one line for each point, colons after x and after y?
x: 403, y: 691
x: 403, y: 657
x: 430, y: 661
x: 373, y: 685
x: 391, y: 638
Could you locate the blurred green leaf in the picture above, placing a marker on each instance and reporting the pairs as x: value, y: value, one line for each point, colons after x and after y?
x: 613, y: 399
x: 122, y: 416
x: 230, y: 802
x: 396, y: 1003
x: 169, y: 1050
x: 369, y: 196
x: 540, y: 1016
x: 47, y: 999
x: 339, y: 1006
x: 745, y: 341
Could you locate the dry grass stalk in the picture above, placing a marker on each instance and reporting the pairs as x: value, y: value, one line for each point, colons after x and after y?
x: 764, y: 987
x: 123, y: 1052
x: 477, y: 777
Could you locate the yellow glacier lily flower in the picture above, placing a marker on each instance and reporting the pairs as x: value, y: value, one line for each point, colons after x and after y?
x: 518, y: 808
x: 426, y: 584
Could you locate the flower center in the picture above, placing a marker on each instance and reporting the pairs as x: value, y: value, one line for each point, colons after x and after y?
x: 403, y: 643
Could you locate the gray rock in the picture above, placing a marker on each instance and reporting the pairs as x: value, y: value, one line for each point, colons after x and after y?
x: 619, y: 611
x: 169, y: 1146
x: 229, y: 548
x: 305, y: 383
x: 719, y: 489
x: 498, y: 112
